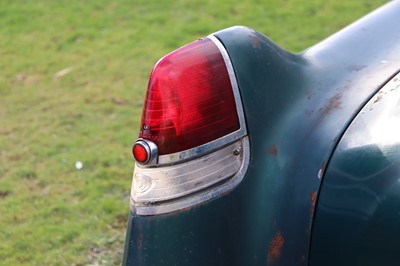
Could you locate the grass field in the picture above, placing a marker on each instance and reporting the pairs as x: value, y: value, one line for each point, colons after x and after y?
x: 73, y: 77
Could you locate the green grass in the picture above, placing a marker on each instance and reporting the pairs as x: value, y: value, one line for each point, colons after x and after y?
x: 51, y: 213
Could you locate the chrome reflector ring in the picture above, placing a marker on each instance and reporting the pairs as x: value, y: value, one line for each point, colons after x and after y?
x: 151, y: 149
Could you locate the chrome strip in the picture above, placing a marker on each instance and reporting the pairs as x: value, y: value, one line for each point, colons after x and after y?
x: 210, y: 146
x: 197, y: 198
x: 202, y: 149
x: 232, y: 77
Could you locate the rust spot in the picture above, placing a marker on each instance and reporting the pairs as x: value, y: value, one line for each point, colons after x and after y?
x: 256, y: 43
x: 332, y: 104
x: 275, y: 247
x: 313, y: 198
x: 273, y: 150
x: 313, y: 201
x: 140, y: 240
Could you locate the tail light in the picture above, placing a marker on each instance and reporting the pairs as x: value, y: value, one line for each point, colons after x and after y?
x: 192, y: 143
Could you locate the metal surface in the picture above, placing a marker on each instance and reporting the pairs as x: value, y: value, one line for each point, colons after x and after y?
x: 213, y: 145
x: 357, y: 219
x: 151, y: 149
x: 176, y: 187
x: 297, y: 108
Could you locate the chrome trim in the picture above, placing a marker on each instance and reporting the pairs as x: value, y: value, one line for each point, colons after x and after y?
x: 200, y: 150
x: 210, y: 146
x: 151, y: 149
x: 232, y: 77
x: 200, y: 197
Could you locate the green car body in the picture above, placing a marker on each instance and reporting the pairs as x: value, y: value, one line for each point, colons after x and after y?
x: 322, y: 184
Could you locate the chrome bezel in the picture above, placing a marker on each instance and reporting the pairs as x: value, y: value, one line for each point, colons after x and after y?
x: 151, y: 149
x: 210, y: 146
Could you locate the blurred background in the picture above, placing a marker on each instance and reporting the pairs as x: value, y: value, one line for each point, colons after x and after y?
x: 72, y: 83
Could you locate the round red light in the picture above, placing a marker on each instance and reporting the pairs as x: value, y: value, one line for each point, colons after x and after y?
x: 140, y: 153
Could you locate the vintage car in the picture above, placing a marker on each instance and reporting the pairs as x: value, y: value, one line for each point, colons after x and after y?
x: 251, y: 155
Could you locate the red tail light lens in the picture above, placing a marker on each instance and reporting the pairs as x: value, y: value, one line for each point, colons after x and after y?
x: 189, y: 99
x: 140, y: 153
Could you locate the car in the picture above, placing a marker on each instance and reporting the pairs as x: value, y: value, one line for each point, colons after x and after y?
x: 251, y: 155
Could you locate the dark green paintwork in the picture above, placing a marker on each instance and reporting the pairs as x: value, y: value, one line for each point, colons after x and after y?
x: 358, y: 215
x: 297, y: 108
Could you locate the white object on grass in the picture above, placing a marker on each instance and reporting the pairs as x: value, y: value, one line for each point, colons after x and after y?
x: 78, y: 165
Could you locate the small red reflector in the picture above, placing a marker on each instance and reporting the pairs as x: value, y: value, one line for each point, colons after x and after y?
x: 189, y: 99
x: 140, y: 153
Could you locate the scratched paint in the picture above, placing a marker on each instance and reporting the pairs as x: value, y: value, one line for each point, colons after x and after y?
x: 275, y: 247
x: 321, y: 171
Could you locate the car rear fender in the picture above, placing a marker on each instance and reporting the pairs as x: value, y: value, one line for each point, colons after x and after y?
x: 297, y: 107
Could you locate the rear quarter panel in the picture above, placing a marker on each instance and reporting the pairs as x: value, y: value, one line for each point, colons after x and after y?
x: 297, y: 107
